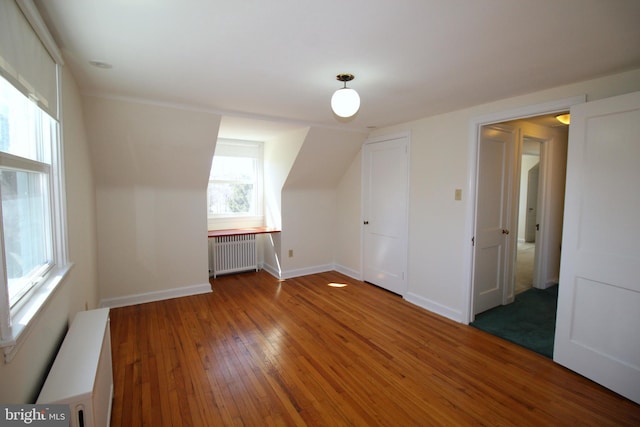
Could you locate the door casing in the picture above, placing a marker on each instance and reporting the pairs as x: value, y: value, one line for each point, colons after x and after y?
x: 474, y: 138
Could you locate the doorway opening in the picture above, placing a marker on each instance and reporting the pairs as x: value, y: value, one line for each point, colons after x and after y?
x: 517, y: 251
x: 528, y: 224
x: 543, y: 111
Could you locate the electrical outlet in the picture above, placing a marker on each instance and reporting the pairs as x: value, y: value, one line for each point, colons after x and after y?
x: 290, y: 253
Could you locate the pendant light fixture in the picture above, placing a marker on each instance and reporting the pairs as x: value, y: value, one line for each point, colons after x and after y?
x: 345, y: 102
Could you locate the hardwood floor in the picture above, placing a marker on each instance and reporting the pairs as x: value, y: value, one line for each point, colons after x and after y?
x: 259, y: 352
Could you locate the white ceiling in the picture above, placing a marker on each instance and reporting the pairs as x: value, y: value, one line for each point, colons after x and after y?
x: 277, y: 60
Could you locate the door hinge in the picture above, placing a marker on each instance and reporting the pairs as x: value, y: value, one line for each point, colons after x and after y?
x: 473, y: 241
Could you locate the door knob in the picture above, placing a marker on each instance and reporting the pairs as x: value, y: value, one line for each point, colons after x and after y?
x: 504, y: 231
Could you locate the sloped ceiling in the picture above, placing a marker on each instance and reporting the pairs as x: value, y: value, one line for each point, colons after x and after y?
x: 323, y: 159
x: 277, y: 60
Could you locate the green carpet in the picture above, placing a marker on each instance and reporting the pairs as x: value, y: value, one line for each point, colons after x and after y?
x: 529, y: 321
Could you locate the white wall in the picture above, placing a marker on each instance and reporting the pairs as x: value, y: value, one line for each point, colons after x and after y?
x: 528, y: 162
x: 309, y: 229
x: 555, y: 208
x: 309, y: 200
x: 279, y: 156
x: 440, y: 163
x: 302, y: 170
x: 323, y: 158
x: 81, y: 200
x: 551, y: 210
x: 23, y: 377
x: 349, y: 220
x: 152, y: 165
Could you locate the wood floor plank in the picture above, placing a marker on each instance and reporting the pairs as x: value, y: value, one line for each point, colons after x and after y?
x: 262, y: 352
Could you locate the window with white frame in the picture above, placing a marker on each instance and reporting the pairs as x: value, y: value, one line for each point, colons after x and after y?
x: 33, y: 252
x: 31, y: 248
x: 26, y: 137
x: 234, y: 194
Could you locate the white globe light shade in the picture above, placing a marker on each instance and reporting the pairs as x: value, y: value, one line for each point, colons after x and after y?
x: 345, y: 102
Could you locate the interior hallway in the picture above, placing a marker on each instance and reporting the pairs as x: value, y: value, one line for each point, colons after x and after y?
x: 524, y: 266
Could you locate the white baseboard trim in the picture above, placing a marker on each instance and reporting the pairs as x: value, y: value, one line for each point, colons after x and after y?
x: 548, y: 284
x: 348, y: 271
x: 552, y: 282
x: 434, y: 307
x: 271, y: 270
x: 289, y: 274
x: 155, y: 296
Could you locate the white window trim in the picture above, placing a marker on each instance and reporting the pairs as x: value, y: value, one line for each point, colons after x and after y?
x: 36, y: 300
x: 15, y: 324
x: 241, y: 221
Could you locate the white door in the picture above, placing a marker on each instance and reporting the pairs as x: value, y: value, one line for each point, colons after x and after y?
x: 491, y: 254
x: 531, y: 216
x: 385, y: 205
x: 599, y: 295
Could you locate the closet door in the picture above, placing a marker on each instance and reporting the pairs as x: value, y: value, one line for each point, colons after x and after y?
x: 385, y: 212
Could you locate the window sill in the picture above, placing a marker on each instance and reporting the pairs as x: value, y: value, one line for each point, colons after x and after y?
x: 241, y: 231
x: 25, y: 317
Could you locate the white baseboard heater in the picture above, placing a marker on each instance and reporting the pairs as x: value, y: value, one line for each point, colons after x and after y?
x: 81, y: 375
x: 233, y: 253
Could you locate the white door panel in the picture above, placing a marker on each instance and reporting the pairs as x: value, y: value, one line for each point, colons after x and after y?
x: 382, y: 261
x: 599, y: 295
x: 492, y: 205
x: 385, y: 187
